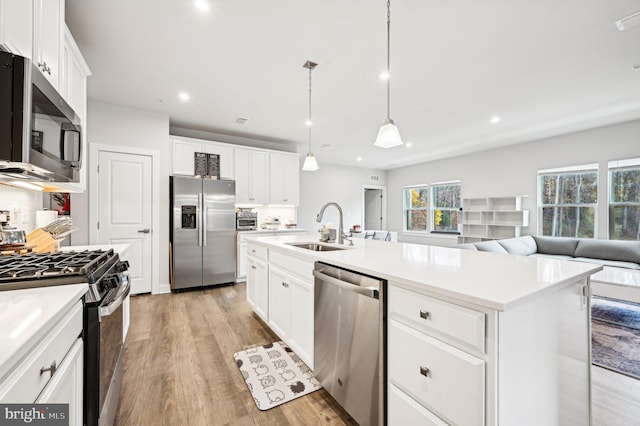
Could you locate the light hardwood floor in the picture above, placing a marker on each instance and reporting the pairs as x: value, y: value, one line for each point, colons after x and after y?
x: 179, y: 369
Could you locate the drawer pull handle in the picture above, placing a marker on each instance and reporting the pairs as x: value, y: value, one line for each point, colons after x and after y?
x: 425, y: 314
x: 285, y: 285
x: 51, y: 369
x: 253, y: 251
x: 425, y: 371
x: 253, y: 266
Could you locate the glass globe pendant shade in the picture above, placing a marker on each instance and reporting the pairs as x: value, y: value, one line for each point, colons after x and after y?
x: 310, y: 163
x: 388, y: 135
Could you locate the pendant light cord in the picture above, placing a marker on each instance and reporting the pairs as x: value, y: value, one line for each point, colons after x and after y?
x: 388, y: 59
x: 310, y: 122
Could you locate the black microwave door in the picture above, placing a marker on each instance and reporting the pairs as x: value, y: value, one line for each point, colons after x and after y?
x: 11, y: 106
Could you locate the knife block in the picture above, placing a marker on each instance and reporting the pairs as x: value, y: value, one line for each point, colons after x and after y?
x: 42, y: 241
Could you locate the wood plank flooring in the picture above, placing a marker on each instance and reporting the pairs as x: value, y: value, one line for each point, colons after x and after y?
x: 179, y: 369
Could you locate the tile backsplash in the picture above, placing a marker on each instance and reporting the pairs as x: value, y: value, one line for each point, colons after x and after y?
x: 22, y: 205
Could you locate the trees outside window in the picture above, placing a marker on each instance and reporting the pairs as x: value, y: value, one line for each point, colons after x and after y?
x: 416, y: 208
x: 445, y: 207
x: 624, y: 200
x: 568, y: 200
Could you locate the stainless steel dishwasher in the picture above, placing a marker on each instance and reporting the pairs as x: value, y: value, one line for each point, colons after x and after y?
x: 349, y: 341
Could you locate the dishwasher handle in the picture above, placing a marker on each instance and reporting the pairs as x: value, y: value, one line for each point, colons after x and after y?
x: 365, y: 291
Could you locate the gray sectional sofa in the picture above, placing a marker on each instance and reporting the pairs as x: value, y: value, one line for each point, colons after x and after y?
x: 619, y: 254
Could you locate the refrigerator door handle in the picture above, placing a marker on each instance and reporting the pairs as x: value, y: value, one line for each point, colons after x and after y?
x: 204, y: 221
x: 200, y: 219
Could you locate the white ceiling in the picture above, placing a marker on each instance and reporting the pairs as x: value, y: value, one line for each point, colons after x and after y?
x: 546, y: 67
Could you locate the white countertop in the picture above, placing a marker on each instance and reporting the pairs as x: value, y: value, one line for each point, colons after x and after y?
x: 121, y: 249
x: 26, y: 316
x: 495, y: 281
x: 277, y: 231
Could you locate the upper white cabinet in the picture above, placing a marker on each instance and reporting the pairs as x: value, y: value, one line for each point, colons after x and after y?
x: 73, y: 82
x: 252, y: 176
x: 185, y: 148
x: 16, y: 26
x: 48, y: 36
x: 284, y: 179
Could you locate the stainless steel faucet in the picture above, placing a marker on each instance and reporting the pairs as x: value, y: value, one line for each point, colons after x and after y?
x: 340, y: 227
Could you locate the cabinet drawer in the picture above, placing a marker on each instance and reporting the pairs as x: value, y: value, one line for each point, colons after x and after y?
x: 26, y: 382
x: 446, y: 380
x: 425, y: 313
x: 404, y: 410
x: 258, y: 251
x: 300, y: 267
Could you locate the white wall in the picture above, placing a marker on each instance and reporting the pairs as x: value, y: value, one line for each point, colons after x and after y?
x: 513, y: 171
x: 339, y: 184
x: 22, y: 205
x: 111, y: 124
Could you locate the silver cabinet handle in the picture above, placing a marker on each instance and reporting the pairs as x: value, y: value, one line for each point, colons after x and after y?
x: 253, y: 251
x: 144, y: 231
x: 425, y: 371
x: 285, y: 285
x: 425, y: 314
x: 52, y: 369
x: 253, y: 267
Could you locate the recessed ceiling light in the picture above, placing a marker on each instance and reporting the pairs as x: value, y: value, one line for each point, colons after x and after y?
x: 325, y: 146
x: 184, y: 96
x: 408, y: 144
x: 241, y: 120
x: 202, y: 5
x: 308, y: 123
x: 384, y: 75
x: 495, y: 119
x: 359, y: 159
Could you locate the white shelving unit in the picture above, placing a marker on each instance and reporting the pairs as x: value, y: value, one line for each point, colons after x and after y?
x: 492, y: 218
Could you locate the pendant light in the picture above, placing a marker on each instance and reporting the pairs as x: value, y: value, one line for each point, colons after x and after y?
x: 310, y: 163
x: 388, y: 135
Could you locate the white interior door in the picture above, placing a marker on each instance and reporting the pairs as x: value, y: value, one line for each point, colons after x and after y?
x: 124, y: 210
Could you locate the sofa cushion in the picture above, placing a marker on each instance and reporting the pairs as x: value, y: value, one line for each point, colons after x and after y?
x: 626, y: 251
x: 490, y: 246
x: 554, y: 256
x: 611, y: 263
x: 467, y: 246
x: 556, y: 245
x: 523, y: 246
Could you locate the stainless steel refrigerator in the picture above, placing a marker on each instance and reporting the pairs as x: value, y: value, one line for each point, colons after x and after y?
x: 203, y: 232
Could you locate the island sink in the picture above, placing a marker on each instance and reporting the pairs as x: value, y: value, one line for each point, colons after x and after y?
x: 316, y: 246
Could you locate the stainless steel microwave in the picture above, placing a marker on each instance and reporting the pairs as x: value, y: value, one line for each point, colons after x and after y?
x: 40, y: 134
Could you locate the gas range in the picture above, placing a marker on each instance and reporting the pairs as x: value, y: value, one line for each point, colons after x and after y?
x: 98, y: 268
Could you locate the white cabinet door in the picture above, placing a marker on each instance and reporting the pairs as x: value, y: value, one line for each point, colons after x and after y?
x: 74, y: 76
x: 241, y: 264
x: 284, y: 179
x: 183, y: 156
x: 279, y: 302
x: 252, y: 280
x: 65, y: 386
x: 261, y: 290
x: 301, y: 338
x: 252, y: 176
x: 16, y: 26
x: 227, y: 164
x: 48, y: 33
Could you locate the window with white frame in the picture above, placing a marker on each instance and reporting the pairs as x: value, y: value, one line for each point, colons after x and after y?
x: 416, y: 208
x: 445, y: 207
x: 624, y: 199
x: 568, y: 198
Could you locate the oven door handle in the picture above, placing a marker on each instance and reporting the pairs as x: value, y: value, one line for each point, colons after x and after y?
x: 117, y: 301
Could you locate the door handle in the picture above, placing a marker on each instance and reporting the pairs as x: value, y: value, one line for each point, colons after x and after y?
x: 144, y: 231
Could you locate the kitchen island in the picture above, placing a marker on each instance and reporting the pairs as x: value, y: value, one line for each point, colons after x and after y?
x: 472, y: 337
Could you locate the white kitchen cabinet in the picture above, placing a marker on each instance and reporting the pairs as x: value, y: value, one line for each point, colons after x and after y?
x: 258, y: 281
x: 184, y: 150
x: 243, y: 251
x: 66, y: 384
x: 16, y: 26
x: 252, y: 176
x: 284, y: 172
x: 450, y: 362
x: 291, y: 296
x: 73, y: 82
x: 48, y: 36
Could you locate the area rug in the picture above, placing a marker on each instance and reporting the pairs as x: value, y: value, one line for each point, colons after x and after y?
x: 275, y: 374
x: 615, y: 336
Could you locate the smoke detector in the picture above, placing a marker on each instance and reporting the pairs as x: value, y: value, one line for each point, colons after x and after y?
x: 241, y: 120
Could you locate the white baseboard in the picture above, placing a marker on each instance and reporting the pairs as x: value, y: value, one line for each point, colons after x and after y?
x: 162, y: 289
